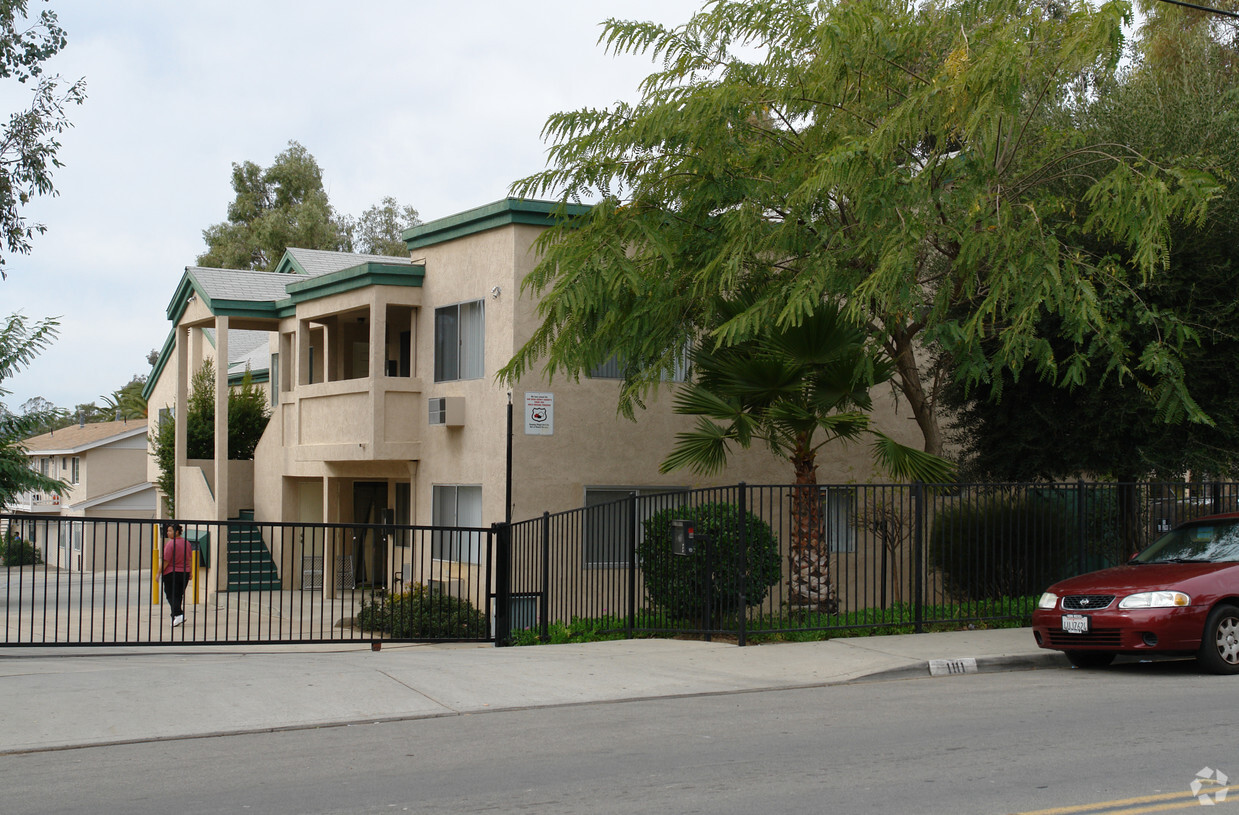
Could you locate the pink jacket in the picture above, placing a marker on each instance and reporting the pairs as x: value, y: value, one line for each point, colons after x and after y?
x: 177, y: 554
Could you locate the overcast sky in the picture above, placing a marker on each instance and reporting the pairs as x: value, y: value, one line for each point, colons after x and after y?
x: 440, y: 104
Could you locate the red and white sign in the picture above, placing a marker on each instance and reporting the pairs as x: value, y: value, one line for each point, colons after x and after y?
x: 539, y: 414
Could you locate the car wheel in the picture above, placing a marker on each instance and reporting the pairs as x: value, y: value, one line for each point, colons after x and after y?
x: 1090, y: 659
x: 1219, y: 645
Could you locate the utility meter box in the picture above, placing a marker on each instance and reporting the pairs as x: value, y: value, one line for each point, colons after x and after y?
x: 683, y: 538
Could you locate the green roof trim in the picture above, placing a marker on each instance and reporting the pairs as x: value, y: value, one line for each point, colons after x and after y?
x: 500, y: 213
x: 165, y: 353
x: 356, y: 277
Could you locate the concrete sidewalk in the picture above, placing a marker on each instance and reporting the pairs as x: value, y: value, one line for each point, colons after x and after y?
x: 58, y: 698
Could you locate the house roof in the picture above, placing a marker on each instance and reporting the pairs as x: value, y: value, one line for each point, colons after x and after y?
x: 78, y: 438
x: 315, y: 262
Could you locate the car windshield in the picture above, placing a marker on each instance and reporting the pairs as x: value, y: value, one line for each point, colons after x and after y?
x: 1204, y: 542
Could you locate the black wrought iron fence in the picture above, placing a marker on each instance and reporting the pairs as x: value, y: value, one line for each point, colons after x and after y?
x: 784, y: 559
x: 87, y: 581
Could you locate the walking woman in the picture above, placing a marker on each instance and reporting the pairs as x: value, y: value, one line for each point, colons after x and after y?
x: 176, y: 565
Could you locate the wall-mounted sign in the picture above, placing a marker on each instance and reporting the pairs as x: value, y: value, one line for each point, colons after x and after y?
x: 539, y: 414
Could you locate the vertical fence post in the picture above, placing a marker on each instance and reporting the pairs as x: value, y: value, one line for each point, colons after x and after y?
x: 918, y: 556
x: 1080, y: 526
x: 631, y: 543
x: 501, y: 539
x: 545, y: 627
x: 742, y: 583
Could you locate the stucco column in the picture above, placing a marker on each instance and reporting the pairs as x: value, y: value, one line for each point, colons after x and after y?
x: 303, y: 353
x: 221, y: 418
x: 378, y: 374
x: 180, y: 420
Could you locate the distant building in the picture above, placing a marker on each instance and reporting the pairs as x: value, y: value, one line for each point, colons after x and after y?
x: 104, y: 465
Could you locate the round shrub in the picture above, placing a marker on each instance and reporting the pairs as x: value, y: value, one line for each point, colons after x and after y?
x: 18, y: 552
x: 681, y: 585
x: 1001, y: 548
x: 423, y: 613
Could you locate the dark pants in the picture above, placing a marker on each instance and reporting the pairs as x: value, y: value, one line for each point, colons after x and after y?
x: 174, y: 584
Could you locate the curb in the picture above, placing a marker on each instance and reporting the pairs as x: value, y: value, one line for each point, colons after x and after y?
x: 995, y: 664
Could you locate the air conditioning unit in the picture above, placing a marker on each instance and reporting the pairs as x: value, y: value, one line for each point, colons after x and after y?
x: 447, y: 411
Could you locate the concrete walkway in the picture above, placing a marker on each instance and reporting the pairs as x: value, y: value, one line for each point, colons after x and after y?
x: 57, y: 698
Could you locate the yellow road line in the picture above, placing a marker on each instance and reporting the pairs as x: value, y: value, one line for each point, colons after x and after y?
x: 1115, y: 807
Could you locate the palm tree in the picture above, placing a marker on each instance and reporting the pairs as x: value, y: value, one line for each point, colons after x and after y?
x: 796, y: 388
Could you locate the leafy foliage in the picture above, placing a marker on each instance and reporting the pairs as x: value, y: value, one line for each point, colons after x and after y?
x: 285, y: 205
x: 277, y: 207
x: 248, y: 415
x: 28, y: 143
x: 900, y: 158
x: 1001, y: 547
x: 1179, y: 100
x: 683, y: 585
x: 378, y: 231
x: 797, y: 388
x: 17, y: 552
x: 421, y: 613
x: 20, y: 341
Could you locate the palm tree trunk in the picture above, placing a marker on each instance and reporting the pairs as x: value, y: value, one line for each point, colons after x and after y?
x: 809, y: 586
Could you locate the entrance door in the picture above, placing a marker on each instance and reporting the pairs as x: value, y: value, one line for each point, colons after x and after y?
x: 369, y: 548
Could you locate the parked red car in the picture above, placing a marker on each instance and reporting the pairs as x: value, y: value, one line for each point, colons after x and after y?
x: 1178, y: 596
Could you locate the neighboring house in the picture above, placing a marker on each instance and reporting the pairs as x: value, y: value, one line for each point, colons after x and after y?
x: 104, y: 466
x: 381, y: 375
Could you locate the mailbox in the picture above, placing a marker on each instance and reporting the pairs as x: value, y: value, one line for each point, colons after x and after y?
x: 683, y: 538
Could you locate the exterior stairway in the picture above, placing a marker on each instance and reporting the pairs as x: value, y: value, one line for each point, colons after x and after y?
x: 250, y: 566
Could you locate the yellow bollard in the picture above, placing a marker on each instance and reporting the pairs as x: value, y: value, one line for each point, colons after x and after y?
x: 155, y: 569
x: 194, y: 568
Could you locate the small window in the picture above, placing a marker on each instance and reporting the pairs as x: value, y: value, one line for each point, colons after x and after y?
x: 460, y: 334
x: 75, y: 472
x: 456, y: 506
x: 838, y: 513
x: 613, y: 524
x: 613, y: 368
x: 274, y: 379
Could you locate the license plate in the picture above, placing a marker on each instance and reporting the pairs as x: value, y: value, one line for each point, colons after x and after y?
x: 1075, y: 623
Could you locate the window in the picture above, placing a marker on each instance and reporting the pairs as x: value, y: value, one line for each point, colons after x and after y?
x: 456, y: 506
x: 274, y: 379
x: 838, y: 516
x: 613, y: 369
x: 610, y: 521
x: 459, y: 341
x: 76, y: 470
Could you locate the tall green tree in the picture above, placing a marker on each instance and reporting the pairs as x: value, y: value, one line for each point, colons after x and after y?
x: 1178, y: 100
x: 20, y: 342
x: 901, y: 158
x: 797, y: 389
x: 378, y: 230
x: 277, y: 207
x: 28, y: 142
x: 285, y: 205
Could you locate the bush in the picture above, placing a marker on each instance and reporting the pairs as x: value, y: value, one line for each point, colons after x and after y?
x: 17, y: 552
x: 680, y: 584
x: 423, y: 613
x: 1001, y: 548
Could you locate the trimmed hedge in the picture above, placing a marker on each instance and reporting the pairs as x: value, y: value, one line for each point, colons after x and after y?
x: 421, y: 612
x: 680, y: 585
x: 1002, y: 548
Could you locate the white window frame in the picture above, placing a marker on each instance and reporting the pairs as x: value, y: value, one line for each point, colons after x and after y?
x: 460, y: 341
x: 447, y: 510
